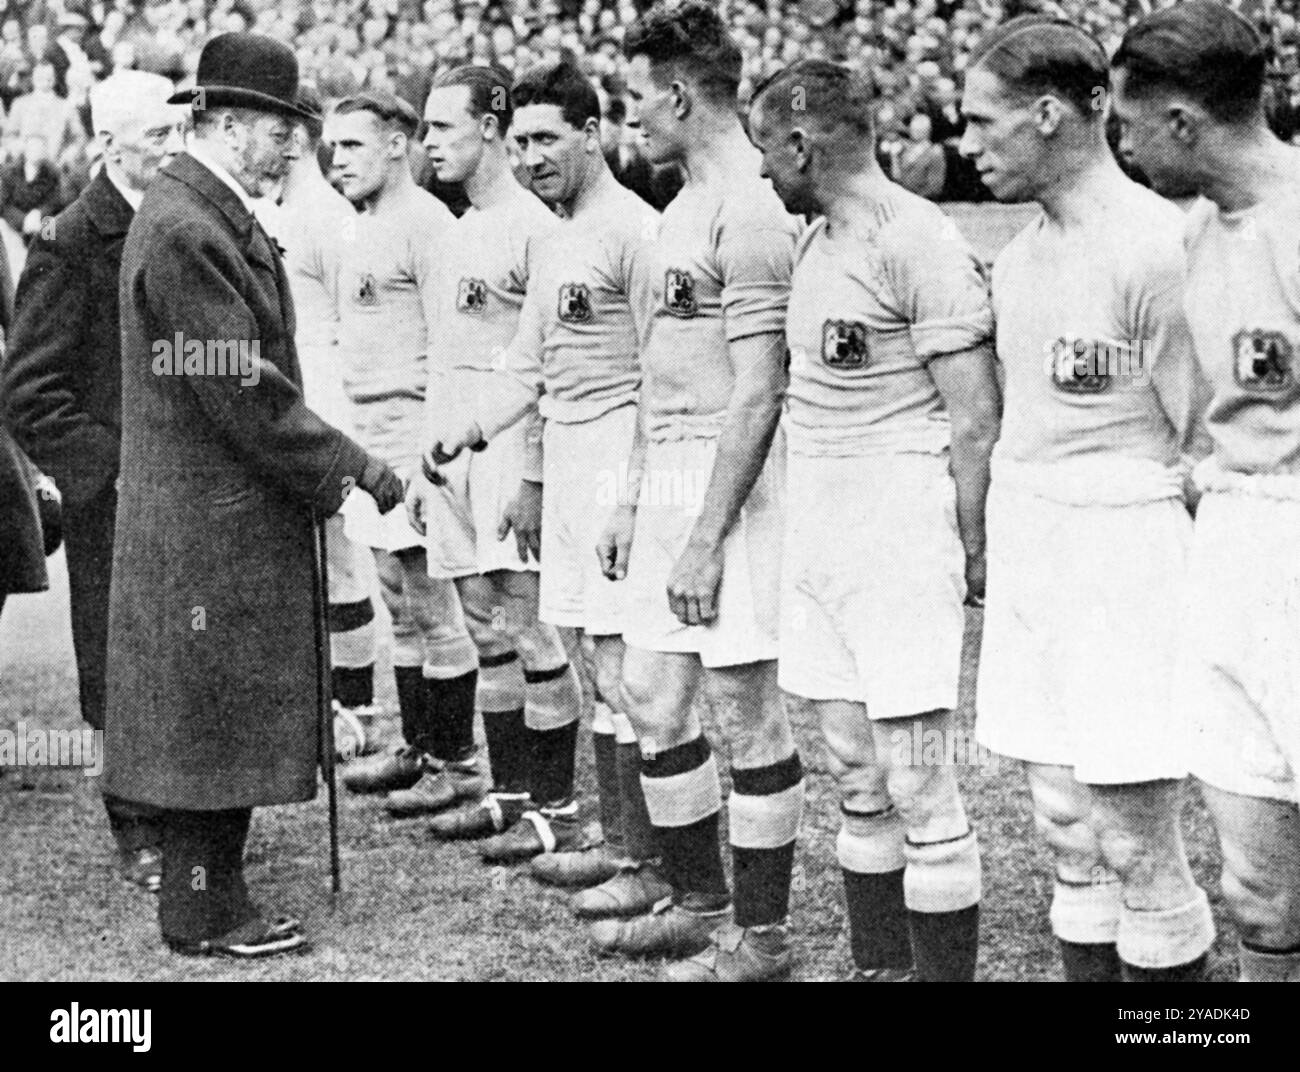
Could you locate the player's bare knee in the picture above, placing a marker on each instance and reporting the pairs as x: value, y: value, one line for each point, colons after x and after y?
x: 661, y: 717
x: 1063, y: 825
x: 488, y: 639
x: 928, y: 800
x: 1126, y: 852
x: 863, y: 787
x: 605, y: 656
x: 637, y: 691
x: 751, y: 713
x: 739, y: 689
x: 609, y: 686
x: 539, y: 645
x: 1266, y: 911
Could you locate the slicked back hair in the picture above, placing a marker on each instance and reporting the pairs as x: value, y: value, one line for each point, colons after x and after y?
x: 692, y: 38
x: 1206, y: 50
x: 561, y: 84
x: 489, y: 90
x: 388, y: 108
x: 833, y: 95
x: 1036, y: 54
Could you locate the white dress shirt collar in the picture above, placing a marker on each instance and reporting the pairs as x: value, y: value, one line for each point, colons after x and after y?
x: 132, y: 197
x: 196, y: 150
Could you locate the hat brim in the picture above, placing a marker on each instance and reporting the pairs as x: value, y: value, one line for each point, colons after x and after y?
x: 237, y: 97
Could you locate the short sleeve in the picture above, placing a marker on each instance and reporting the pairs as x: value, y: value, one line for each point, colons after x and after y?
x: 1159, y: 318
x: 756, y: 260
x: 636, y: 276
x: 941, y: 288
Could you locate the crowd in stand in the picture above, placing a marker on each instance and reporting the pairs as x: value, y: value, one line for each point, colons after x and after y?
x: 51, y: 52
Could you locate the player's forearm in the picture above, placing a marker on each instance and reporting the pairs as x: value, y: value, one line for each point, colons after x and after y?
x: 636, y: 456
x: 508, y: 408
x: 742, y: 450
x: 973, y: 439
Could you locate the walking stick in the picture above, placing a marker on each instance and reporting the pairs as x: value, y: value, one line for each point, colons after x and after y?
x: 324, y: 691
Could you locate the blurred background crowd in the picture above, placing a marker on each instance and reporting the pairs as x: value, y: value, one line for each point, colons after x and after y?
x: 51, y: 51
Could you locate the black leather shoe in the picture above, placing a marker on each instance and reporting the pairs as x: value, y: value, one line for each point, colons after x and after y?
x: 255, y: 940
x: 399, y: 769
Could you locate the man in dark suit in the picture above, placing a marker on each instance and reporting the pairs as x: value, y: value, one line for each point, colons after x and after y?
x: 62, y: 383
x: 22, y: 559
x: 217, y: 642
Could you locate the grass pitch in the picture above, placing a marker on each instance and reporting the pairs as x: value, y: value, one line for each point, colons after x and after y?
x: 415, y: 909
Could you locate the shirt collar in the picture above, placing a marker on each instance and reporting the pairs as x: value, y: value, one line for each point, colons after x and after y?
x: 131, y: 197
x: 196, y: 150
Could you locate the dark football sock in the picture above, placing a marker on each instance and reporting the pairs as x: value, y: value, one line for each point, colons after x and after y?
x: 354, y: 686
x: 878, y: 931
x: 640, y: 842
x: 507, y: 743
x: 1090, y: 962
x: 764, y: 808
x: 945, y: 944
x: 1191, y: 972
x: 451, y: 701
x: 691, y: 851
x: 413, y: 702
x: 551, y: 759
x: 604, y: 750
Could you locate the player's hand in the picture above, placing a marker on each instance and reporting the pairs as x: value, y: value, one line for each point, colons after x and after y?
x: 447, y: 445
x: 524, y: 515
x: 694, y: 583
x: 384, y: 485
x: 417, y: 500
x: 976, y: 572
x: 615, y: 546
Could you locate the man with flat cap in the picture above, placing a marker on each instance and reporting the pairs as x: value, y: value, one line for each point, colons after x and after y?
x: 62, y: 384
x: 214, y: 631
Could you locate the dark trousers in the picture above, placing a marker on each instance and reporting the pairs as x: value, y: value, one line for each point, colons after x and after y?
x: 88, y: 538
x: 203, y: 894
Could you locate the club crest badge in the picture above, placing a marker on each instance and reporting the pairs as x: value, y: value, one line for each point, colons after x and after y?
x: 367, y: 291
x: 844, y: 345
x: 575, y: 303
x: 472, y: 296
x: 1078, y: 367
x: 679, y: 292
x: 1263, y: 361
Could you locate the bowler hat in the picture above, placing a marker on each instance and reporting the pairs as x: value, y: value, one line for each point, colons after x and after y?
x: 246, y: 70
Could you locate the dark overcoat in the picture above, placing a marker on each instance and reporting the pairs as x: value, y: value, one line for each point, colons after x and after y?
x: 62, y: 372
x: 22, y: 551
x: 213, y: 668
x: 62, y: 397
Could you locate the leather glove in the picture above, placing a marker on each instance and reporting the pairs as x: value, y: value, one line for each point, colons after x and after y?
x: 384, y: 485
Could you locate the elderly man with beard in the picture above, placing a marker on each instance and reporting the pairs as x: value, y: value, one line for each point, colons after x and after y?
x: 62, y: 384
x: 214, y: 616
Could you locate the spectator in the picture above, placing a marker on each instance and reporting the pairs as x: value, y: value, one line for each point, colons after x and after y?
x: 14, y: 67
x: 66, y: 54
x: 920, y: 165
x: 916, y: 50
x: 944, y: 109
x: 43, y: 112
x: 38, y: 44
x: 30, y: 188
x: 622, y: 145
